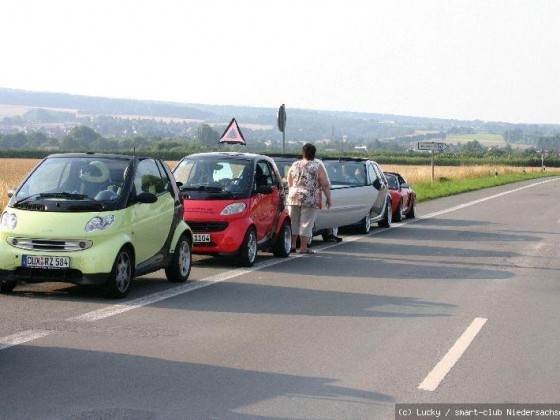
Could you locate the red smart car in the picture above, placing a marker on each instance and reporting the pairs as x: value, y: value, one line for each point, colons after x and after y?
x: 234, y: 204
x: 403, y: 197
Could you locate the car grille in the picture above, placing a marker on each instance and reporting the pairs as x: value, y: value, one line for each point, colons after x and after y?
x: 32, y: 207
x: 207, y: 226
x: 30, y: 244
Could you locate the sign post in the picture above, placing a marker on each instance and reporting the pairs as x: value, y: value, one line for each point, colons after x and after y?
x: 432, y: 146
x: 282, y: 125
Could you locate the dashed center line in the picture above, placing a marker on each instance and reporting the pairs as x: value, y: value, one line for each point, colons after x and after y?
x: 439, y: 372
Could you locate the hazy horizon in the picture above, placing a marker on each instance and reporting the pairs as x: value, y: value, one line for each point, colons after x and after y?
x: 489, y: 60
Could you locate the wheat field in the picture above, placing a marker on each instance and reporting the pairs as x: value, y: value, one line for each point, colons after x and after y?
x: 13, y: 171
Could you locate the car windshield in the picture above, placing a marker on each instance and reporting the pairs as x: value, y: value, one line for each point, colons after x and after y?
x: 214, y: 174
x: 75, y: 178
x: 392, y: 180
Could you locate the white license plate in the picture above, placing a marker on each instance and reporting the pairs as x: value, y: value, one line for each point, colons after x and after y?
x: 202, y: 237
x: 43, y: 261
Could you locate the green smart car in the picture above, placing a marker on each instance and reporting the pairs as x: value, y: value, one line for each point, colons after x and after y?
x: 94, y: 219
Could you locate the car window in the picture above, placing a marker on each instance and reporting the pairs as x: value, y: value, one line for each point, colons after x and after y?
x: 263, y: 174
x: 393, y: 183
x: 96, y: 177
x: 148, y: 178
x: 164, y: 177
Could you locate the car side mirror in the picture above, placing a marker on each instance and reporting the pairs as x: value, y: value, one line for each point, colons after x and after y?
x: 146, y: 198
x: 179, y: 184
x: 11, y: 193
x: 404, y: 185
x: 377, y: 184
x: 264, y: 189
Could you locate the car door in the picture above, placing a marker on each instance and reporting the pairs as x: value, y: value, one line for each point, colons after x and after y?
x: 151, y: 221
x: 264, y: 204
x: 379, y: 183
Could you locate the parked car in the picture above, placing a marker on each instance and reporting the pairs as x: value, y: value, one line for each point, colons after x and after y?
x: 94, y: 219
x: 403, y: 197
x: 235, y: 204
x: 359, y: 194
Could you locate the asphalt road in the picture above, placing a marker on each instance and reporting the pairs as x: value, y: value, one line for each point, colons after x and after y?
x: 459, y: 305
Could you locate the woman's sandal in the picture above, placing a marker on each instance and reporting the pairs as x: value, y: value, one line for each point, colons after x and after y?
x: 307, y: 251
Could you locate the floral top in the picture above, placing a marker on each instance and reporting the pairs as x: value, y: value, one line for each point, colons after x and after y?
x: 306, y: 189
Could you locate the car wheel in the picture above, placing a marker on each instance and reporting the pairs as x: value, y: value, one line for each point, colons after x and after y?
x: 283, y: 241
x: 387, y: 220
x: 397, y: 216
x: 412, y: 213
x: 120, y: 279
x: 7, y: 286
x: 248, y: 250
x: 180, y: 266
x: 365, y: 224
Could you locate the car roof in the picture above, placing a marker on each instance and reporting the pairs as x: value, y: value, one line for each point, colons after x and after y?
x: 91, y: 154
x: 247, y: 156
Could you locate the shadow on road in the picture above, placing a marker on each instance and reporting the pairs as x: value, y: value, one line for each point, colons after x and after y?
x: 77, y: 384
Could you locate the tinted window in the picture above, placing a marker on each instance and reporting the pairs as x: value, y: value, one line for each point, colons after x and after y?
x: 148, y: 178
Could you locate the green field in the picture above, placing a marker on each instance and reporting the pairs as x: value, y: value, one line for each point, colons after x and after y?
x: 486, y: 139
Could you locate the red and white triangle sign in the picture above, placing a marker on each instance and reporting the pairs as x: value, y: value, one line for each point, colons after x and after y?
x: 232, y: 134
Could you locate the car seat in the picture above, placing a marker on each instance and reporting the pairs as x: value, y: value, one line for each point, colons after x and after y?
x: 94, y: 178
x: 260, y: 178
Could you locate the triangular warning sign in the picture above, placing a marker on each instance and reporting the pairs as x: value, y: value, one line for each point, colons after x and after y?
x: 232, y: 134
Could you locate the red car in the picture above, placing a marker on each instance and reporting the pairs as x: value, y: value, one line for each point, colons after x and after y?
x: 403, y: 198
x: 234, y: 204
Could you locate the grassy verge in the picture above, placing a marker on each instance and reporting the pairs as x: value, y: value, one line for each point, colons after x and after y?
x: 445, y: 187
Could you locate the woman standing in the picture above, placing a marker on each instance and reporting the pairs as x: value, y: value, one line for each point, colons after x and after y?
x: 307, y: 179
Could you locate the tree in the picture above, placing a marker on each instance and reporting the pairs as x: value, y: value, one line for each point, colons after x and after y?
x: 80, y: 137
x: 207, y: 135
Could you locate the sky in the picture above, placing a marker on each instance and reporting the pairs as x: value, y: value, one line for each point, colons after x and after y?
x: 493, y: 60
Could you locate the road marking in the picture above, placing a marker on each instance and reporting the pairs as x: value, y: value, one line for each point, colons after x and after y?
x: 439, y: 372
x: 22, y: 337
x: 30, y: 335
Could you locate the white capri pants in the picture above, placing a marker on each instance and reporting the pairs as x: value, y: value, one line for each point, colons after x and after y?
x: 303, y: 219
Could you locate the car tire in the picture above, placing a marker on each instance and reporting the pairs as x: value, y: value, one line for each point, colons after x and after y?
x: 179, y: 268
x: 120, y: 278
x: 365, y: 224
x: 412, y: 213
x: 387, y: 220
x: 283, y: 241
x: 248, y: 250
x: 397, y: 216
x: 6, y: 286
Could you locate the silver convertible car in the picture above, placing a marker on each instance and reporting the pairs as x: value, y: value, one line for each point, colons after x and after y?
x: 359, y: 194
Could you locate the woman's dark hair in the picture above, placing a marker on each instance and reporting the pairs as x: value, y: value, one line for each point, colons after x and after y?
x: 309, y: 151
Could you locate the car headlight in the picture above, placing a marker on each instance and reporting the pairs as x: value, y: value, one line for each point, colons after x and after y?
x: 9, y: 220
x: 233, y: 208
x: 100, y: 223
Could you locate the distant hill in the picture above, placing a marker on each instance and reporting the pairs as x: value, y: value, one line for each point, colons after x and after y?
x: 259, y: 124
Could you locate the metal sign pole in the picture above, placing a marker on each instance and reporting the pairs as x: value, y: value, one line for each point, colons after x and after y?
x: 433, y: 166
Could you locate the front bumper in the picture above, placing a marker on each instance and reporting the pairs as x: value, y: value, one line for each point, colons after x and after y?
x: 223, y: 242
x: 90, y: 266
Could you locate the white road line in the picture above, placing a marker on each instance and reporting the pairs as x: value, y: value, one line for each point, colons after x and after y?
x: 26, y: 336
x: 22, y: 337
x: 439, y: 372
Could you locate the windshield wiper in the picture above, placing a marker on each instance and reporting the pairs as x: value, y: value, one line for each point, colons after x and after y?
x: 23, y: 200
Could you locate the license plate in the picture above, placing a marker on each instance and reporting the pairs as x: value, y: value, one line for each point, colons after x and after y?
x: 43, y: 261
x: 202, y: 237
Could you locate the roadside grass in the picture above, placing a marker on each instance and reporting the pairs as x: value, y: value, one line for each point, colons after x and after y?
x: 443, y: 187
